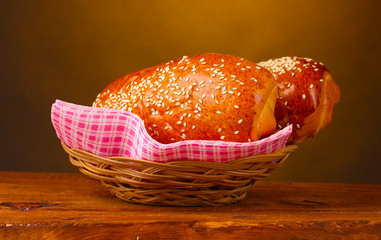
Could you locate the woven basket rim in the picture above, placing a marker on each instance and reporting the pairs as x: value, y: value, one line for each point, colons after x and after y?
x: 116, y: 159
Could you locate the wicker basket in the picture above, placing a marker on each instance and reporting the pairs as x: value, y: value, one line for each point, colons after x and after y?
x: 178, y: 183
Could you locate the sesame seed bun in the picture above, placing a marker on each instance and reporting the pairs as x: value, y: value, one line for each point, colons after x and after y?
x: 306, y: 96
x: 204, y: 97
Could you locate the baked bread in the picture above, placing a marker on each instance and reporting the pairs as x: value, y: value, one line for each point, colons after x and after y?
x: 204, y: 97
x: 306, y: 96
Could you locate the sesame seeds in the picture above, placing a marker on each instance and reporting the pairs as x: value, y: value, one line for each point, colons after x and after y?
x: 281, y: 65
x: 236, y: 132
x: 170, y: 92
x: 304, y: 96
x: 297, y: 126
x: 222, y: 137
x: 168, y: 127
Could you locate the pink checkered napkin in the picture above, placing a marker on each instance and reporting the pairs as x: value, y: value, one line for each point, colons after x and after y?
x: 108, y: 132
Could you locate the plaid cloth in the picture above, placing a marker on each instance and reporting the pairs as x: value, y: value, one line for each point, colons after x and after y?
x: 109, y: 132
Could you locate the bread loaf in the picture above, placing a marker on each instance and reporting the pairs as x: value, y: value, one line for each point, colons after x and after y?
x: 203, y: 97
x: 306, y: 96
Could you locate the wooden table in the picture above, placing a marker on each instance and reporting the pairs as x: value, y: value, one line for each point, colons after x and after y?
x: 72, y: 206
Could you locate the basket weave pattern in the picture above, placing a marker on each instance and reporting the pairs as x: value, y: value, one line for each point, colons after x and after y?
x: 178, y: 183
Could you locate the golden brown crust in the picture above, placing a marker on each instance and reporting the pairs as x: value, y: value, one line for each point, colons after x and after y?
x: 306, y: 95
x: 208, y: 96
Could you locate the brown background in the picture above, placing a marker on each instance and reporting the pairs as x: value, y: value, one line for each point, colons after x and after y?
x: 70, y: 50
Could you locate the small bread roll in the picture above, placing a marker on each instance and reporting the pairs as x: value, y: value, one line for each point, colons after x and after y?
x: 306, y: 95
x: 203, y: 97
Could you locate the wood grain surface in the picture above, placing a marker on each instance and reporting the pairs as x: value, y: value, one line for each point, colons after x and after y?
x: 72, y: 206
